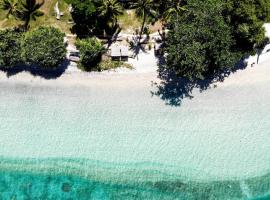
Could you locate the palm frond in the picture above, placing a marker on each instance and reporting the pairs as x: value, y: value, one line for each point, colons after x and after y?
x: 29, y: 10
x: 9, y: 5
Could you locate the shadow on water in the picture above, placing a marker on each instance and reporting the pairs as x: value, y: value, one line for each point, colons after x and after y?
x: 37, y: 71
x: 173, y: 89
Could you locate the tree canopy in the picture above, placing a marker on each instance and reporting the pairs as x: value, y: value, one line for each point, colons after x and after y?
x: 110, y: 10
x: 10, y: 6
x: 29, y: 10
x: 44, y: 47
x: 24, y: 10
x: 84, y: 15
x: 95, y: 16
x: 200, y: 42
x: 211, y: 36
x: 90, y: 53
x: 10, y: 48
x: 246, y: 18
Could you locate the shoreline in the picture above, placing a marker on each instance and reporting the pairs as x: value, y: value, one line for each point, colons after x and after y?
x: 118, y: 172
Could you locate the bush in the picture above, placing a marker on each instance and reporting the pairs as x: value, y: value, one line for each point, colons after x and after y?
x: 109, y: 64
x: 10, y: 48
x: 90, y: 53
x: 44, y: 47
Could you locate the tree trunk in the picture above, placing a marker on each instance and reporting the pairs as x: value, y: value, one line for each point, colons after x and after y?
x: 115, y: 21
x: 26, y: 24
x: 142, y: 28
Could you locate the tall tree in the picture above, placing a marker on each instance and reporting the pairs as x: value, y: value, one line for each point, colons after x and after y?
x: 171, y: 8
x: 110, y: 10
x: 85, y: 17
x: 200, y: 42
x: 9, y: 5
x: 246, y: 18
x: 29, y: 10
x: 145, y: 9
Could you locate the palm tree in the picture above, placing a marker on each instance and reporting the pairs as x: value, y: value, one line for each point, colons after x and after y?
x: 29, y: 10
x: 144, y: 9
x: 173, y: 8
x: 9, y: 5
x: 169, y: 9
x: 110, y: 10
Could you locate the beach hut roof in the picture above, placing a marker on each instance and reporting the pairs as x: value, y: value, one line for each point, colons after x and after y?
x: 119, y: 51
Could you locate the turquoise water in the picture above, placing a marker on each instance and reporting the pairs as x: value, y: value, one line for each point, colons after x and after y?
x: 38, y: 181
x: 107, y: 141
x: 29, y: 186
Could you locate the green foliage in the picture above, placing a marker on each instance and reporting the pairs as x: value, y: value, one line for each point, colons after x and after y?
x: 109, y: 64
x: 262, y: 9
x: 90, y: 53
x: 9, y: 5
x: 44, y: 47
x: 110, y: 10
x: 200, y: 42
x: 94, y: 17
x: 168, y: 9
x: 212, y: 35
x: 24, y: 10
x: 10, y: 48
x: 29, y: 10
x: 146, y: 9
x: 82, y: 7
x: 84, y: 16
x: 246, y: 19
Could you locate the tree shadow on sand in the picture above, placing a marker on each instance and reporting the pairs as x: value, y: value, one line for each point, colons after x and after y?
x: 37, y: 71
x: 172, y: 89
x: 136, y: 46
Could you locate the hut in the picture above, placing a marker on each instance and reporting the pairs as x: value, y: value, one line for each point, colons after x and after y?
x: 119, y: 53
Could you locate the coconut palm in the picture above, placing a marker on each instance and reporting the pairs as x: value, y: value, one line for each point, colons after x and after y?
x: 9, y: 5
x: 110, y: 10
x: 29, y: 10
x: 144, y: 9
x: 173, y: 8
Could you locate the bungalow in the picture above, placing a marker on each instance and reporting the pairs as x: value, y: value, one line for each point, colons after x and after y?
x: 119, y: 53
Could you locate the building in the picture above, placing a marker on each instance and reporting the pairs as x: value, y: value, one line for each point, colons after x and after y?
x: 119, y: 53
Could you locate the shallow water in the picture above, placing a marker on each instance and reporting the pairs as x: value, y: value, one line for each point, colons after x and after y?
x: 109, y: 142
